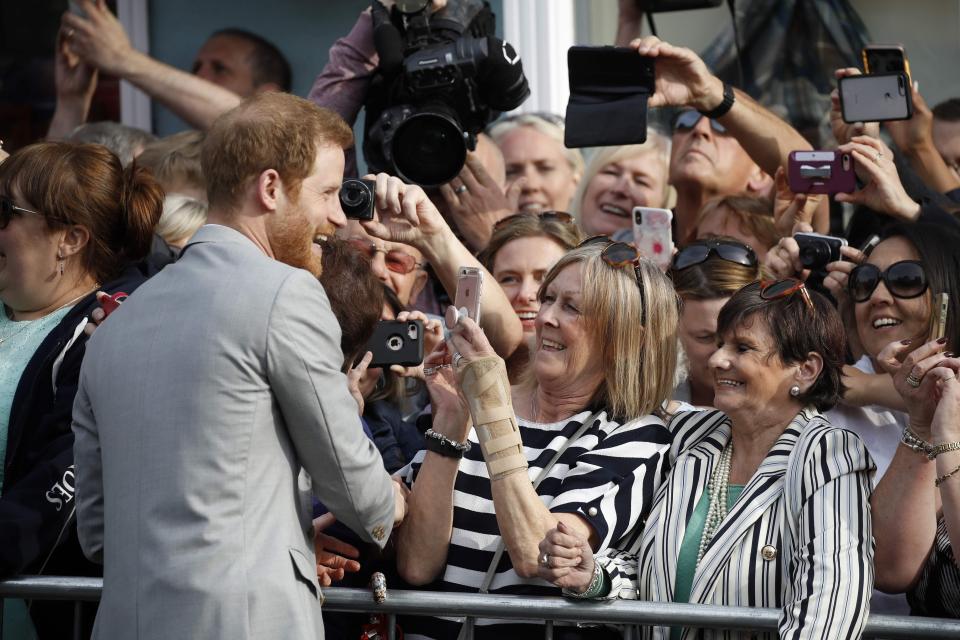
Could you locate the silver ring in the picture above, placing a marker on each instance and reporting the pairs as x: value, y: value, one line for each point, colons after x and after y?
x: 545, y: 559
x: 432, y: 371
x: 457, y: 357
x: 913, y: 380
x: 879, y: 156
x: 69, y: 33
x: 461, y: 189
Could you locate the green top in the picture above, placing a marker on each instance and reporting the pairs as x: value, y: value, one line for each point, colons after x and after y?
x: 687, y: 561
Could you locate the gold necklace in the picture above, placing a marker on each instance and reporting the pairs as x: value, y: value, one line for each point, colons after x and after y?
x: 27, y: 323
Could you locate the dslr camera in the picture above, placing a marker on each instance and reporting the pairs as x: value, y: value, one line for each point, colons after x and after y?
x: 441, y: 79
x: 816, y: 250
x: 356, y: 198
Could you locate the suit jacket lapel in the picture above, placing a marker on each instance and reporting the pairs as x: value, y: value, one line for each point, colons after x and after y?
x: 762, y: 491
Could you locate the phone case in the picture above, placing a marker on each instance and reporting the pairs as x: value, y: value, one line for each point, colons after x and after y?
x: 876, y: 98
x: 469, y: 290
x: 396, y: 342
x: 885, y: 58
x: 653, y: 234
x: 821, y: 172
x: 609, y: 87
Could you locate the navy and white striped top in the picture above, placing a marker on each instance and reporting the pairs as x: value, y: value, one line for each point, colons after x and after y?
x: 612, y: 471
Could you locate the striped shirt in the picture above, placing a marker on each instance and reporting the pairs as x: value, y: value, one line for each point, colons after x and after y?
x: 608, y: 477
x: 799, y: 538
x: 937, y: 592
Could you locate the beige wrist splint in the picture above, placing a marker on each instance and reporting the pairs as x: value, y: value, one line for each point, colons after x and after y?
x: 487, y: 391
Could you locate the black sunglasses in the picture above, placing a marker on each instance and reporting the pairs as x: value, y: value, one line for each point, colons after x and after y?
x: 699, y: 251
x: 689, y: 118
x: 8, y: 209
x: 905, y: 279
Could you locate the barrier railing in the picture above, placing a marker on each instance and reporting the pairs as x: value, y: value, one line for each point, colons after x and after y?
x: 549, y: 609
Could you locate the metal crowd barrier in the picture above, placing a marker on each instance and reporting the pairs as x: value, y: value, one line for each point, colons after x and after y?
x: 549, y: 609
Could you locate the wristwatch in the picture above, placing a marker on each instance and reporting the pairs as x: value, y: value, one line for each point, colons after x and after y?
x: 725, y: 105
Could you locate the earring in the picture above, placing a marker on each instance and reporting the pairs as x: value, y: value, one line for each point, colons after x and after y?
x: 794, y: 391
x: 60, y: 263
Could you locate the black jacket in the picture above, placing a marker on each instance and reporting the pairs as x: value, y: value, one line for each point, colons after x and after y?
x: 36, y: 506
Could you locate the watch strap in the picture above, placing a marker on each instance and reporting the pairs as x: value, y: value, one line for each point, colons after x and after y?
x: 729, y: 97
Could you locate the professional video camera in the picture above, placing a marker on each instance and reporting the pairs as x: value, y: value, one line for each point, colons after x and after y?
x: 442, y: 78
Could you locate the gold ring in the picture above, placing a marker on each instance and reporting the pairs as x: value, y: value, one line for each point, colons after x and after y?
x: 913, y: 380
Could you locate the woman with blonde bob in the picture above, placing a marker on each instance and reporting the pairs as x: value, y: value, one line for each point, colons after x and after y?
x: 579, y: 443
x: 616, y: 180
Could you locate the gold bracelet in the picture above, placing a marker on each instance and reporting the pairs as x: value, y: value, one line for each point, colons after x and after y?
x: 942, y: 448
x: 946, y: 477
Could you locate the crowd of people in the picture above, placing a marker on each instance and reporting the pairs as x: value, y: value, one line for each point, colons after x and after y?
x: 187, y: 406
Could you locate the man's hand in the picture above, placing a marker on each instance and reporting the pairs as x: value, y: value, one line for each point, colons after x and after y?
x: 404, y: 214
x: 400, y: 496
x: 333, y: 555
x: 99, y: 38
x: 75, y: 80
x: 916, y: 132
x: 873, y: 163
x: 476, y: 203
x: 682, y: 77
x: 843, y: 131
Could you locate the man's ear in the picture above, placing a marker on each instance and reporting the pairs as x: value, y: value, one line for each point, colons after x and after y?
x: 269, y: 190
x: 418, y: 285
x: 809, y: 370
x: 759, y: 182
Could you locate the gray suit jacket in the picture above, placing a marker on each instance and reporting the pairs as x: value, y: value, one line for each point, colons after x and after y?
x: 199, y: 402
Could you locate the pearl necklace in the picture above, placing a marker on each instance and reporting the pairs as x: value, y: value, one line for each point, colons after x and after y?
x: 719, y: 490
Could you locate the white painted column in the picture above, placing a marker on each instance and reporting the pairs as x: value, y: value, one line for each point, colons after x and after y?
x: 542, y: 31
x: 135, y: 104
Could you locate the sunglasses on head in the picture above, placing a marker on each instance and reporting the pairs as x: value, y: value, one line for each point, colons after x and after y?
x: 545, y: 216
x: 689, y: 118
x: 617, y: 255
x: 396, y: 260
x: 8, y: 209
x: 905, y: 279
x: 784, y: 289
x: 699, y: 251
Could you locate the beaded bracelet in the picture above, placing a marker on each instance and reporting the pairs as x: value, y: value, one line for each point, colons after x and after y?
x: 946, y: 476
x: 594, y: 589
x: 439, y: 443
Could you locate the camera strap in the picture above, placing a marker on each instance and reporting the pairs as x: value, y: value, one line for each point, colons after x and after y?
x: 466, y: 631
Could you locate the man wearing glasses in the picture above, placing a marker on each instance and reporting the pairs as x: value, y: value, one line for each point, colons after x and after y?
x: 724, y: 143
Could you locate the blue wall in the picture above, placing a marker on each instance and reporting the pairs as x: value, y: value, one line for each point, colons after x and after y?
x: 302, y: 29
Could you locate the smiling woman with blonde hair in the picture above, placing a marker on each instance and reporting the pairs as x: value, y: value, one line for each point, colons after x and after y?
x: 579, y: 442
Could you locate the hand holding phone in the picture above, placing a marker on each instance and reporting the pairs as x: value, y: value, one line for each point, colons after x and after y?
x: 110, y: 303
x: 466, y: 301
x: 939, y: 320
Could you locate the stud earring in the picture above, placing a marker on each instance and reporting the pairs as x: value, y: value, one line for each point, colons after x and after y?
x: 794, y: 391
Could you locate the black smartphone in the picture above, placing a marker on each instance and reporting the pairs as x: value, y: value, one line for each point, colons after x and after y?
x: 396, y: 342
x: 609, y: 88
x: 876, y: 98
x: 885, y: 58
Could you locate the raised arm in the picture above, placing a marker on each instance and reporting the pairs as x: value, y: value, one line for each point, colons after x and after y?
x: 99, y: 39
x: 406, y: 215
x: 76, y: 82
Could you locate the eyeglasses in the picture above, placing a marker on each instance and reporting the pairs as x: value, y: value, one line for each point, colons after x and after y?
x: 689, y: 118
x: 7, y: 209
x: 396, y: 260
x: 905, y: 279
x: 700, y: 251
x: 545, y: 216
x: 784, y: 289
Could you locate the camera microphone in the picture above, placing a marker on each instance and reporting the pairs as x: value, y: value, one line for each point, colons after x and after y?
x: 386, y: 39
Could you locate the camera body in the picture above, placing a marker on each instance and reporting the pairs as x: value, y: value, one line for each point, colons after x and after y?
x: 817, y: 250
x: 442, y: 78
x: 357, y: 198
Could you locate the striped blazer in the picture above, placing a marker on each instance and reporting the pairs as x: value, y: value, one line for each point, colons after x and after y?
x: 799, y: 538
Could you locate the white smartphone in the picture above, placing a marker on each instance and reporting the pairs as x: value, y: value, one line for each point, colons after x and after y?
x: 875, y: 98
x: 467, y: 298
x: 653, y: 234
x: 940, y: 312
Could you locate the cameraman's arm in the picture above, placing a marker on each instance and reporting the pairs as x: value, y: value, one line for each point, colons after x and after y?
x: 342, y: 85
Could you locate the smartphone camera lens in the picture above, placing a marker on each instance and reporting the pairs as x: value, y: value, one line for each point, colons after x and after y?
x: 412, y: 330
x: 845, y: 160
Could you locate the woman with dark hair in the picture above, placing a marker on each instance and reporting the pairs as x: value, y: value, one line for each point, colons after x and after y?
x: 72, y: 222
x: 766, y: 504
x: 705, y: 274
